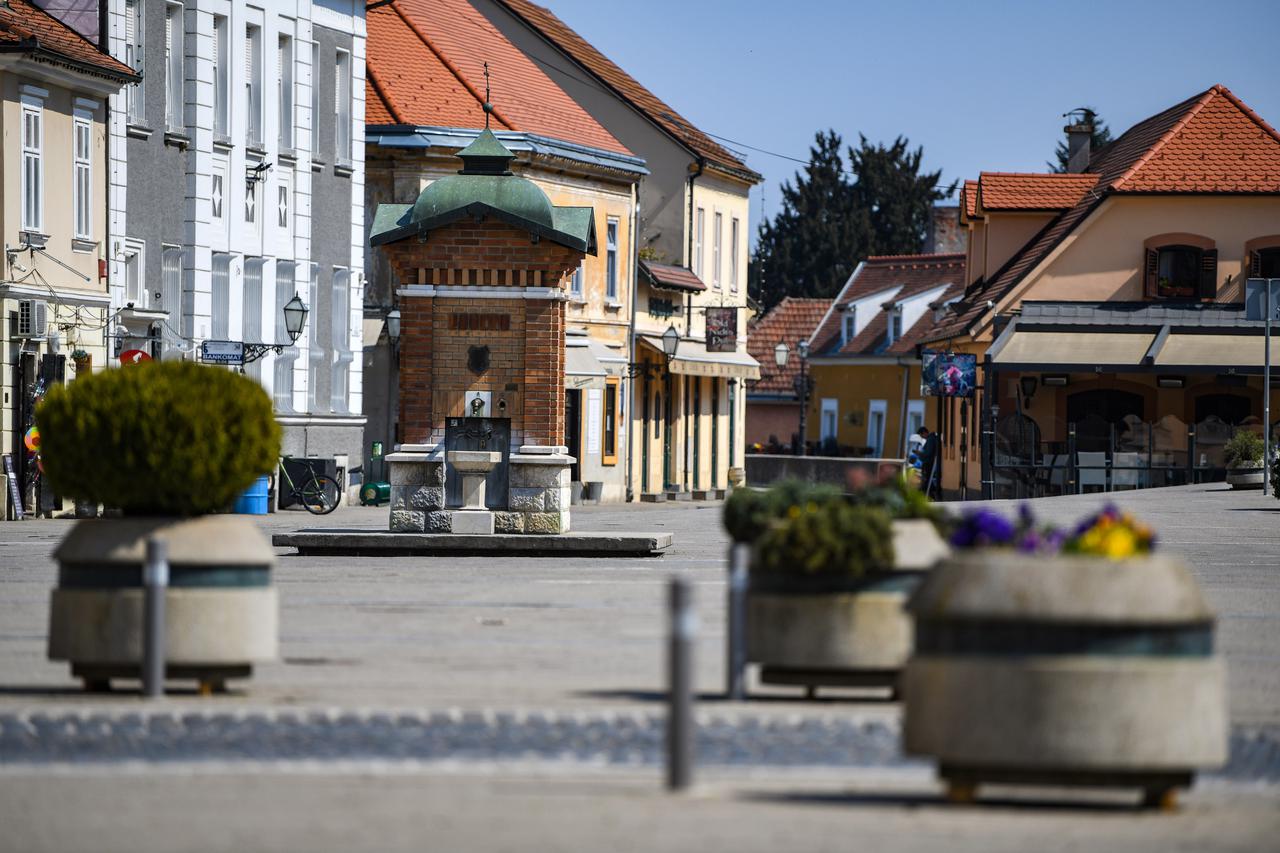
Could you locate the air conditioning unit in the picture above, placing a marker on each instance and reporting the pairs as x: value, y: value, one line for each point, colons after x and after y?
x: 33, y: 318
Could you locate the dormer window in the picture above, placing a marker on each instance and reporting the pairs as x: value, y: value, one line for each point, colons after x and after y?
x: 895, y: 324
x: 849, y: 325
x: 1181, y: 270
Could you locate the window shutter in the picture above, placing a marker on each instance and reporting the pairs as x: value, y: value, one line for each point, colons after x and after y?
x: 1151, y: 274
x: 130, y: 24
x: 248, y: 57
x: 1255, y: 264
x: 1209, y: 274
x: 337, y: 88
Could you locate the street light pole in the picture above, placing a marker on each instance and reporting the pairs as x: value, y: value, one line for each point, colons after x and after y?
x: 1266, y: 390
x: 803, y: 349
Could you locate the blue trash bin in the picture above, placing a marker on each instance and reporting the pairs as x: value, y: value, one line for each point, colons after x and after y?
x: 254, y: 500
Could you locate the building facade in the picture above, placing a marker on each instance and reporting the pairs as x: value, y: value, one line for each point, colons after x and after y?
x: 236, y: 183
x: 54, y: 88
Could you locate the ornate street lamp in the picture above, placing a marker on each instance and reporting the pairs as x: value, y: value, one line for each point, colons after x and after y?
x: 802, y: 390
x: 393, y: 326
x: 295, y: 318
x: 670, y: 342
x: 780, y: 354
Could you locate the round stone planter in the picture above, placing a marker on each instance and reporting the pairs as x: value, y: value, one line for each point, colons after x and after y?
x: 222, y: 611
x: 814, y: 632
x: 1244, y: 478
x: 1064, y: 671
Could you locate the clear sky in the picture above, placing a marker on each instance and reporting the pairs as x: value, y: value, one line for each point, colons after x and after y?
x: 981, y: 85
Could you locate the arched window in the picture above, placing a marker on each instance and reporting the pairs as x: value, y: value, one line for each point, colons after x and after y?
x: 1180, y: 266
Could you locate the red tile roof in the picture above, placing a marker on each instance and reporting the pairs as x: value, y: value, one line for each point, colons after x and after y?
x: 586, y: 56
x: 25, y: 28
x: 792, y: 320
x: 1209, y: 143
x: 1032, y: 191
x: 672, y: 277
x: 969, y: 198
x: 426, y: 68
x: 914, y: 274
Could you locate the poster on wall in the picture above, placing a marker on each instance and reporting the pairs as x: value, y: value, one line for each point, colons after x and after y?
x: 948, y: 374
x: 722, y: 329
x: 595, y: 403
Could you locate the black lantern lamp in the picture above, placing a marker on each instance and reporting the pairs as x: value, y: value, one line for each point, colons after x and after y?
x: 780, y: 354
x: 393, y: 326
x: 670, y: 342
x: 295, y: 317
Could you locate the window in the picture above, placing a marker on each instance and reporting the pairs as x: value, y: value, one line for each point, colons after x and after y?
x: 611, y: 260
x: 220, y: 328
x: 81, y: 179
x: 217, y: 191
x: 171, y: 288
x: 316, y: 356
x: 339, y: 321
x: 609, y: 454
x: 915, y: 419
x: 733, y: 254
x: 829, y: 425
x: 878, y: 412
x: 895, y: 324
x: 252, y: 313
x: 173, y: 66
x: 284, y: 91
x: 135, y: 104
x: 1181, y: 271
x: 253, y: 85
x: 135, y: 294
x: 32, y: 165
x: 1265, y: 263
x: 849, y: 326
x: 221, y: 77
x: 342, y: 107
x: 315, y: 96
x: 251, y: 203
x: 284, y: 192
x: 700, y: 226
x: 575, y: 283
x: 715, y: 249
x: 282, y: 387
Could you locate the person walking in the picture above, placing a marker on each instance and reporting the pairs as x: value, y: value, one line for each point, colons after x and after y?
x: 930, y: 463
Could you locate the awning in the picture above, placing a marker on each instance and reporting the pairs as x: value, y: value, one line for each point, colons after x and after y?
x: 1032, y: 349
x: 1217, y: 351
x: 579, y: 360
x: 370, y: 330
x: 692, y: 359
x: 1101, y: 350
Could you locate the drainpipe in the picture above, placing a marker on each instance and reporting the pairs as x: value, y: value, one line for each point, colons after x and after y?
x: 688, y: 321
x: 902, y: 415
x: 629, y: 396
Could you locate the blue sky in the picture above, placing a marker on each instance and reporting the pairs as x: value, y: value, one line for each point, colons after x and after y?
x: 981, y: 85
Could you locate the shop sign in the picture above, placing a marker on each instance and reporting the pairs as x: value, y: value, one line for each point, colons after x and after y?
x: 222, y: 352
x: 722, y: 329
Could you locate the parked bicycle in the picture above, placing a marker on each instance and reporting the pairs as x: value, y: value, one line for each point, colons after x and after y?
x: 316, y: 492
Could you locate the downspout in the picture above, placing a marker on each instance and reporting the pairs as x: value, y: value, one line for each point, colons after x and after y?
x: 902, y: 415
x: 688, y: 321
x: 631, y: 338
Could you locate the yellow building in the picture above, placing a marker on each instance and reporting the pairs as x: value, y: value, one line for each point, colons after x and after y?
x: 866, y: 398
x: 53, y: 291
x: 1110, y: 309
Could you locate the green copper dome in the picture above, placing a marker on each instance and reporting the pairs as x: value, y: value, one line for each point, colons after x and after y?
x: 485, y: 178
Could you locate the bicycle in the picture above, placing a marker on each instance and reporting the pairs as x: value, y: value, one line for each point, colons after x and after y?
x: 318, y: 493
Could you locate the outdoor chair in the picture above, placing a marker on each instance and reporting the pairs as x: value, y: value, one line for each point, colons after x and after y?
x: 1058, y: 473
x: 1092, y: 470
x: 1125, y: 473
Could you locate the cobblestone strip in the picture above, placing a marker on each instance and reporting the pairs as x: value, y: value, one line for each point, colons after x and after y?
x: 596, y: 738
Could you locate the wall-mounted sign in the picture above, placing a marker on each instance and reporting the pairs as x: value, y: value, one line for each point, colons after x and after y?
x: 222, y: 352
x: 948, y: 374
x: 722, y: 329
x: 659, y: 307
x: 134, y: 356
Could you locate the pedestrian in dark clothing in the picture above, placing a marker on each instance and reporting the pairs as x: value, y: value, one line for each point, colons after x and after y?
x: 931, y: 463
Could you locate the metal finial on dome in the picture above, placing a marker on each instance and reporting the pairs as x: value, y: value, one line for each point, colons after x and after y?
x: 488, y: 107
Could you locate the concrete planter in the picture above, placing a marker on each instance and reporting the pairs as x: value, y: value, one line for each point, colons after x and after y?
x: 1064, y: 670
x: 222, y: 611
x: 833, y: 632
x: 1244, y: 478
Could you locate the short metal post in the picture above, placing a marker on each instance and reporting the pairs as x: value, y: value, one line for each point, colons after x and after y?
x: 736, y: 630
x: 680, y: 687
x: 155, y: 582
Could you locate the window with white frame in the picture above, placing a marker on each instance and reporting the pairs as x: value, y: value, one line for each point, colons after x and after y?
x: 173, y: 66
x: 700, y: 227
x: 284, y: 202
x: 220, y: 327
x: 221, y: 77
x: 253, y: 84
x: 32, y: 164
x: 848, y: 326
x: 342, y: 107
x: 252, y: 310
x: 915, y: 419
x: 171, y: 288
x: 284, y: 91
x: 716, y: 228
x: 575, y: 283
x: 251, y: 204
x: 611, y: 260
x: 877, y: 413
x: 218, y: 194
x: 339, y: 323
x: 315, y: 96
x: 135, y: 105
x: 316, y: 356
x: 895, y: 323
x: 829, y: 425
x: 135, y: 293
x: 733, y: 254
x: 282, y: 387
x: 82, y: 174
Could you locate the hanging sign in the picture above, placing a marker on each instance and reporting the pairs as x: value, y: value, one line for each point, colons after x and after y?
x: 222, y: 352
x: 722, y: 329
x: 134, y: 356
x: 948, y: 374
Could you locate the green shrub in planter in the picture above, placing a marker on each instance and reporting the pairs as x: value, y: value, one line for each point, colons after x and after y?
x: 837, y: 538
x: 159, y: 438
x: 748, y: 513
x: 1244, y: 450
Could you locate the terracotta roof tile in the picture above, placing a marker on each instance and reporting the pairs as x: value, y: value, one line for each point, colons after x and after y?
x: 27, y: 28
x: 879, y: 274
x: 668, y: 276
x: 1032, y: 191
x: 969, y: 198
x: 426, y: 68
x: 625, y: 86
x: 792, y: 320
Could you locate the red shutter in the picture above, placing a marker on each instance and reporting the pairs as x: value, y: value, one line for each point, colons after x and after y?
x: 1150, y: 274
x: 1255, y: 264
x: 1209, y: 274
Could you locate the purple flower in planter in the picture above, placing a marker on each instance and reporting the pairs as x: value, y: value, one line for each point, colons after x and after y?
x: 983, y: 527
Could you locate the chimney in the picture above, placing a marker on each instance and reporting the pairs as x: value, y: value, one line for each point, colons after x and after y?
x: 1079, y: 140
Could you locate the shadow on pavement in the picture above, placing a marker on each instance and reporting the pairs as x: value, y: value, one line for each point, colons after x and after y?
x: 909, y: 800
x: 825, y: 697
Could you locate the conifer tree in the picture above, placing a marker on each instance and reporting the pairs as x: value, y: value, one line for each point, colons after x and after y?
x: 1101, y: 138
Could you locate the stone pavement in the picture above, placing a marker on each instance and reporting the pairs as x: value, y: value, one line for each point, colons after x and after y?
x: 420, y: 676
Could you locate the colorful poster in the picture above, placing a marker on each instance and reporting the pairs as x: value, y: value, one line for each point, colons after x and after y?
x: 948, y: 374
x: 722, y: 329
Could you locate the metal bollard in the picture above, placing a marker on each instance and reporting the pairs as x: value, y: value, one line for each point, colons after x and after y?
x: 736, y: 628
x: 155, y: 582
x: 680, y: 687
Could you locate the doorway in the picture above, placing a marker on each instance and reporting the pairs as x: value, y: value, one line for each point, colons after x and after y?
x: 573, y: 431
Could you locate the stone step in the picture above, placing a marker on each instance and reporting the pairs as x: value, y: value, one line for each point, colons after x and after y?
x: 384, y: 543
x: 653, y: 497
x: 677, y: 495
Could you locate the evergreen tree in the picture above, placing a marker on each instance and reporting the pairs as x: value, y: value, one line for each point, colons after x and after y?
x: 832, y: 217
x: 1101, y: 138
